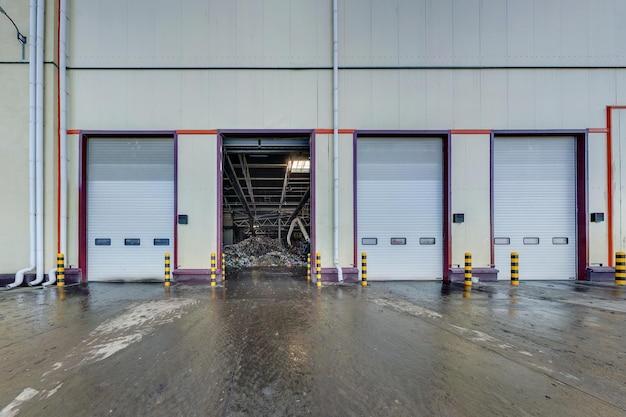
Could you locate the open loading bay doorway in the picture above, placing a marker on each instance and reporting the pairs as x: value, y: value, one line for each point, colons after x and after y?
x: 266, y: 201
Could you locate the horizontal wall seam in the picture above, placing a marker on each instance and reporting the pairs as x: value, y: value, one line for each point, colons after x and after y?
x: 26, y: 63
x: 349, y: 68
x: 342, y: 131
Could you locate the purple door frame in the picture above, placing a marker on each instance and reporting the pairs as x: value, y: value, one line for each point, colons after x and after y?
x: 581, y: 137
x: 445, y: 136
x: 274, y: 133
x: 83, y: 144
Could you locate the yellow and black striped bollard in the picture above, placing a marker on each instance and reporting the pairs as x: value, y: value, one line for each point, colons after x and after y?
x: 468, y: 270
x: 213, y: 269
x: 60, y: 270
x: 318, y: 269
x: 515, y: 269
x: 168, y: 271
x: 363, y: 269
x: 308, y: 267
x: 620, y: 268
x: 223, y: 267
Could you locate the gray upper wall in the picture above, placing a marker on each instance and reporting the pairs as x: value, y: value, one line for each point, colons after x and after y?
x: 297, y: 33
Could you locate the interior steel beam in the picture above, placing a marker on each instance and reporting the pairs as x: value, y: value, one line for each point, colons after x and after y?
x: 232, y: 177
x: 299, y: 207
x: 284, y: 190
x: 246, y: 176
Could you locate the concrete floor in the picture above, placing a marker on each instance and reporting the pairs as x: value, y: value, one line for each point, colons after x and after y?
x: 270, y: 344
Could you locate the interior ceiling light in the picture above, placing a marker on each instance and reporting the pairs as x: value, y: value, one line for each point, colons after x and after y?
x: 300, y: 166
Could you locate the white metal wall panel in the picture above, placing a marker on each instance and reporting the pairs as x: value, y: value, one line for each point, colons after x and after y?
x: 466, y: 32
x: 400, y: 195
x: 498, y: 99
x: 411, y: 30
x: 485, y: 33
x: 200, y: 33
x: 130, y: 195
x: 373, y: 33
x: 535, y: 197
x: 597, y: 198
x: 478, y: 99
x: 238, y: 99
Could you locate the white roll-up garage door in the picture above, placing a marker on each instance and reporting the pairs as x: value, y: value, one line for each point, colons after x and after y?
x: 400, y: 205
x: 130, y: 208
x: 535, y: 206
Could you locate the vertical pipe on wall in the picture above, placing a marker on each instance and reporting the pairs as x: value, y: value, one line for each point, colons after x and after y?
x: 39, y: 206
x: 62, y: 136
x: 63, y: 119
x: 609, y: 183
x: 32, y: 121
x: 336, y: 259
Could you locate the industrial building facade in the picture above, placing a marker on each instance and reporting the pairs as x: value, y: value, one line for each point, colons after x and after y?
x: 487, y: 126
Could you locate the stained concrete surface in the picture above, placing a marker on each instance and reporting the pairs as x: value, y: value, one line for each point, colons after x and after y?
x: 270, y: 344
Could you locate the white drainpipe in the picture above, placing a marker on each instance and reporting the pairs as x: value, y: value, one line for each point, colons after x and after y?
x: 32, y: 121
x: 63, y: 133
x: 336, y: 259
x: 63, y: 119
x: 39, y: 155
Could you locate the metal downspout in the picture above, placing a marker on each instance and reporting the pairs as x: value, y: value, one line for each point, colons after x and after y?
x: 32, y: 120
x: 39, y: 154
x: 336, y: 259
x: 62, y: 133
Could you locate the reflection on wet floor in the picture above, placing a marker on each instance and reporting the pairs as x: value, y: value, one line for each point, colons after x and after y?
x: 270, y: 343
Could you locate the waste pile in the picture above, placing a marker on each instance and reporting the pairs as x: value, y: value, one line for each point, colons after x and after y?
x: 264, y: 251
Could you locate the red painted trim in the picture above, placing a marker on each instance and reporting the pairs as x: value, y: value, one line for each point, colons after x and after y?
x: 331, y: 131
x: 492, y: 254
x: 220, y: 197
x: 82, y: 187
x: 175, y: 200
x: 73, y: 131
x: 82, y: 208
x: 196, y: 132
x: 355, y: 223
x: 447, y: 233
x: 581, y: 205
x: 470, y: 131
x: 598, y: 130
x: 609, y: 177
x: 313, y: 202
x: 609, y: 183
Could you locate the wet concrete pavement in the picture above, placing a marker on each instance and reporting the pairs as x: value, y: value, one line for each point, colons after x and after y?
x: 269, y: 344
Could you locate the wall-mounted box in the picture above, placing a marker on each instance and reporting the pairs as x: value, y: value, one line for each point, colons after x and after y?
x: 597, y: 217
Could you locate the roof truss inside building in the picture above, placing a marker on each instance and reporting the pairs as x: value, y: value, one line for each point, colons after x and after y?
x: 260, y: 187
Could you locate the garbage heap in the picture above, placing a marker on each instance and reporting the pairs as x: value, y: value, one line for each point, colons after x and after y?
x: 264, y: 251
